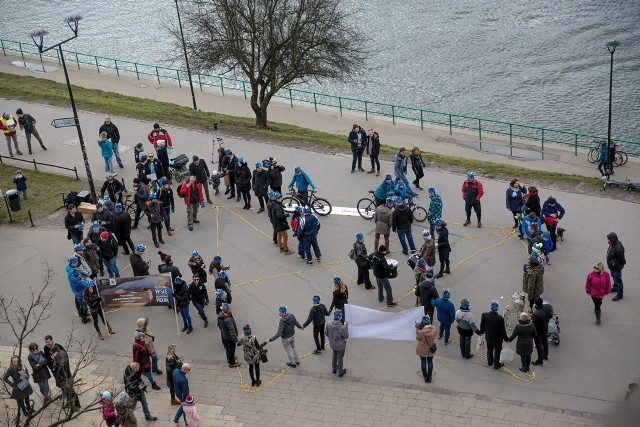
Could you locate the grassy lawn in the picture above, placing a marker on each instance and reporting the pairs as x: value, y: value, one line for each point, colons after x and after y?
x: 43, y: 190
x: 45, y: 91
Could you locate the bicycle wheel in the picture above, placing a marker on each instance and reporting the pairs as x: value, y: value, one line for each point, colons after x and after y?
x: 289, y: 203
x: 366, y: 208
x: 321, y: 206
x: 618, y: 159
x: 594, y: 155
x: 419, y: 214
x: 625, y: 157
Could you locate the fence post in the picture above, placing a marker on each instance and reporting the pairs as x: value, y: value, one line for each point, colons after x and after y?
x: 200, y: 82
x: 222, y: 85
x: 393, y: 114
x: 77, y: 61
x: 290, y: 98
x: 315, y: 106
x: 421, y: 121
x: 178, y: 74
x: 366, y: 111
x: 542, y: 144
x: 340, y: 104
x: 450, y: 125
x: 35, y: 164
x: 58, y: 56
x: 75, y: 169
x: 157, y: 75
x: 480, y: 130
x: 21, y: 52
x: 117, y: 71
x: 575, y: 149
x: 511, y: 139
x: 244, y: 89
x: 97, y: 66
x: 2, y: 44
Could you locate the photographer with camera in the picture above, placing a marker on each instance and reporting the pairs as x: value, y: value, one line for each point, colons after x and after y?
x: 275, y: 175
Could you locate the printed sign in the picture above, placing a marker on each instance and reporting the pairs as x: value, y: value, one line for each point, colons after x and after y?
x: 135, y: 291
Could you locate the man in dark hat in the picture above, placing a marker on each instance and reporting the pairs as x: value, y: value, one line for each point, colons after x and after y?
x: 492, y: 325
x: 199, y: 169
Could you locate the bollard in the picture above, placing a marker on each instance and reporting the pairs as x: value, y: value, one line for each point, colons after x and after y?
x: 30, y: 218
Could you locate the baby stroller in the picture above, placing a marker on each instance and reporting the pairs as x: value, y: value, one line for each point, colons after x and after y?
x: 178, y: 167
x: 553, y: 332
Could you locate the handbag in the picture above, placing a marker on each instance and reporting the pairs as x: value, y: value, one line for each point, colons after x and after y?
x: 481, y: 343
x: 352, y: 254
x: 263, y: 355
x: 433, y: 347
x: 23, y: 384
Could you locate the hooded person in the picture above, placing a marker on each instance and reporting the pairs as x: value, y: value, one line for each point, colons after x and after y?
x: 425, y: 335
x: 426, y: 292
x: 286, y: 331
x: 142, y: 325
x: 428, y: 249
x: 337, y: 333
x: 526, y: 333
x: 493, y: 327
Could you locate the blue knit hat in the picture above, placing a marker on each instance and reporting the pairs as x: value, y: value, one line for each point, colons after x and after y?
x: 359, y: 236
x: 464, y: 304
x: 75, y: 272
x: 227, y: 152
x: 388, y: 177
x: 178, y: 281
x: 217, y: 259
x: 431, y: 190
x: 195, y: 253
x: 494, y: 306
x: 140, y: 248
x: 389, y: 202
x: 241, y: 160
x: 258, y: 164
x: 73, y: 260
x: 337, y: 315
x: 77, y: 248
x: 226, y: 307
x: 246, y: 329
x: 337, y: 280
x: 446, y: 294
x: 422, y: 262
x: 470, y: 175
x: 282, y: 310
x: 297, y: 170
x: 316, y: 299
x: 439, y: 222
x: 219, y: 293
x: 426, y: 320
x: 222, y: 275
x: 306, y: 210
x: 162, y: 181
x: 119, y: 207
x: 95, y: 224
x: 426, y: 234
x: 153, y: 196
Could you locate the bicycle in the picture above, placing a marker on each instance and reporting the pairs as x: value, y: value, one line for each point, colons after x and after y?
x: 319, y: 205
x: 367, y: 207
x: 619, y: 158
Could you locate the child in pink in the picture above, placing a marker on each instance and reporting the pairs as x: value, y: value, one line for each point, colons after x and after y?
x: 190, y: 412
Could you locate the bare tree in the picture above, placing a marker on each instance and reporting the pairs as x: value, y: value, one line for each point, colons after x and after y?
x: 23, y: 317
x: 273, y: 43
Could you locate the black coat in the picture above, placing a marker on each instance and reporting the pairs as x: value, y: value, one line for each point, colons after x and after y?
x: 201, y: 171
x: 243, y: 177
x: 316, y: 315
x: 380, y: 265
x: 112, y: 132
x: 132, y: 382
x: 198, y: 293
x: 375, y: 144
x: 70, y: 223
x: 122, y: 225
x: 525, y: 332
x: 615, y: 254
x: 275, y: 175
x: 492, y: 325
x: 427, y: 291
x: 12, y: 377
x: 402, y: 217
x: 181, y: 295
x: 260, y: 182
x: 108, y: 248
x: 340, y: 299
x: 279, y: 218
x: 138, y: 265
x: 540, y: 319
x: 39, y: 366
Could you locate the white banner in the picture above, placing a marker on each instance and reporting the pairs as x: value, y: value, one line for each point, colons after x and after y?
x: 374, y: 324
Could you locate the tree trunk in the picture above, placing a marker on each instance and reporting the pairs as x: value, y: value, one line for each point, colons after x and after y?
x: 261, y: 116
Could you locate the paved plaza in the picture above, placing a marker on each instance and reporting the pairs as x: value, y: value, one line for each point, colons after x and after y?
x: 586, y: 375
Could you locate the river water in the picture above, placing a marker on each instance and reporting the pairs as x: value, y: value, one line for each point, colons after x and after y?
x: 540, y: 62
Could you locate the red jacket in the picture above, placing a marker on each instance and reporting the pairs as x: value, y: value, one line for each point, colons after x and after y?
x: 598, y: 284
x: 185, y: 192
x: 159, y: 135
x: 142, y: 356
x: 470, y: 188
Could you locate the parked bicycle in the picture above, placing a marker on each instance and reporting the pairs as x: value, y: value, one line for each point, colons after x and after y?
x: 367, y: 207
x: 319, y: 205
x: 619, y: 158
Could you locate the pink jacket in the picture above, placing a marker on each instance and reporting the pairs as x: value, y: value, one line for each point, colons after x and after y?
x: 598, y: 284
x: 191, y: 414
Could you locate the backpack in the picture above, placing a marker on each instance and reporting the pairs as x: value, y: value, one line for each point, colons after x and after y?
x: 71, y: 198
x: 180, y: 190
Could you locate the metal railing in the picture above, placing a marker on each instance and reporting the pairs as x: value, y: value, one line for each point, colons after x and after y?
x: 449, y: 121
x: 35, y: 164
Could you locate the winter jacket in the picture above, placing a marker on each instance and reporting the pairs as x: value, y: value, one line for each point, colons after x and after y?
x: 399, y: 165
x: 201, y: 171
x: 428, y: 252
x: 112, y: 132
x: 153, y: 209
x: 515, y: 198
x: 171, y: 364
x: 192, y: 194
x: 446, y: 311
x: 160, y: 136
x: 21, y: 183
x: 416, y: 162
x: 275, y: 175
x: 384, y: 190
x: 192, y: 419
x: 548, y: 211
x: 279, y: 218
x: 444, y: 248
x: 251, y: 348
x: 525, y: 332
x: 357, y: 140
x: 533, y: 282
x: 70, y: 223
x: 472, y: 192
x: 260, y: 182
x: 9, y: 125
x: 526, y: 221
x: 540, y: 319
x: 425, y: 337
x: 361, y: 254
x: 311, y: 225
x: 493, y: 327
x: 337, y: 335
x: 38, y: 362
x: 77, y: 284
x: 243, y: 177
x: 122, y: 225
x: 316, y: 315
x: 402, y: 217
x: 198, y: 293
x: 181, y: 295
x: 141, y: 196
x: 113, y: 189
x: 339, y: 299
x: 154, y: 166
x: 615, y: 253
x: 286, y: 327
x: 165, y: 196
x: 302, y: 182
x: 27, y: 122
x: 228, y: 328
x: 403, y: 192
x: 142, y: 171
x: 108, y: 411
x: 533, y: 203
x: 142, y: 355
x: 94, y: 301
x: 380, y: 265
x: 132, y: 382
x: 106, y: 148
x: 373, y: 144
x: 83, y: 266
x: 466, y: 323
x: 171, y: 269
x: 105, y: 218
x: 598, y: 284
x: 142, y: 325
x: 427, y: 292
x: 13, y: 376
x: 180, y: 384
x: 383, y: 218
x: 61, y: 369
x: 435, y: 209
x: 91, y: 260
x: 138, y: 265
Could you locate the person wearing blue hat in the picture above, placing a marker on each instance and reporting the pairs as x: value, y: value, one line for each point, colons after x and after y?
x: 337, y: 333
x: 78, y: 284
x: 191, y: 191
x: 197, y: 266
x: 533, y: 279
x: 316, y: 316
x: 229, y: 334
x: 280, y: 224
x: 223, y: 282
x: 216, y: 267
x: 260, y: 184
x: 309, y: 231
x: 122, y: 229
x: 221, y: 298
x: 243, y: 182
x: 181, y: 297
x: 165, y: 197
x: 384, y: 190
x: 428, y: 248
x: 444, y: 248
x: 466, y: 328
x: 199, y: 297
x: 381, y: 270
x: 427, y: 292
x: 153, y: 209
x: 340, y: 295
x: 275, y: 175
x: 434, y: 212
x: 472, y: 192
x: 361, y: 260
x: 302, y: 182
x: 200, y: 170
x: 383, y: 218
x: 83, y: 265
x: 229, y: 163
x: 253, y: 352
x: 402, y: 220
x: 446, y: 315
x: 139, y: 266
x: 493, y: 327
x: 286, y: 331
x: 90, y: 257
x: 426, y: 335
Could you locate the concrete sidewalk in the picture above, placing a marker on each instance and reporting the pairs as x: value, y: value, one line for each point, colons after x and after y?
x: 526, y: 154
x: 293, y: 397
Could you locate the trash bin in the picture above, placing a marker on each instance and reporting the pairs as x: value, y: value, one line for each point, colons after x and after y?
x: 14, y: 200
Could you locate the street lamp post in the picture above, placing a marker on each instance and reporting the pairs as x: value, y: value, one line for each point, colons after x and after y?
x: 72, y: 22
x: 611, y: 47
x: 186, y: 58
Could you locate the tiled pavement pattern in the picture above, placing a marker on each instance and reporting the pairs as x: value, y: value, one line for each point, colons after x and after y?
x: 299, y: 398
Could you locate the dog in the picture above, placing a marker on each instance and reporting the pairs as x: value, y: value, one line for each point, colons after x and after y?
x: 516, y: 307
x: 560, y: 232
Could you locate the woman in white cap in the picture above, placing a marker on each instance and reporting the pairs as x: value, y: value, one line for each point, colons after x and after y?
x: 525, y: 331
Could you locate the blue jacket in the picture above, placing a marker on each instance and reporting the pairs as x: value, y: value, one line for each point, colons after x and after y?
x: 604, y: 154
x: 311, y: 225
x: 383, y: 190
x: 400, y: 165
x: 404, y: 193
x: 514, y: 198
x: 446, y: 310
x: 548, y: 210
x: 180, y: 384
x: 106, y: 147
x: 77, y: 284
x: 302, y: 181
x: 525, y: 225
